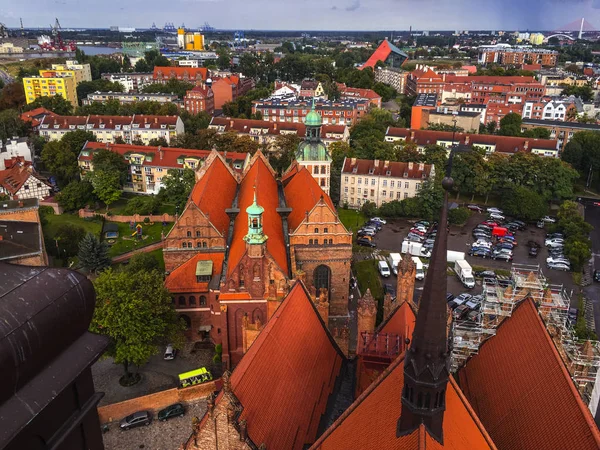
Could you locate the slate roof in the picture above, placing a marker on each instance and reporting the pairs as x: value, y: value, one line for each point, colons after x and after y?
x: 521, y: 390
x: 285, y: 379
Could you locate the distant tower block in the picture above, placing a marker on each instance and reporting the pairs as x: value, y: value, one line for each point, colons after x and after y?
x: 406, y: 280
x: 367, y: 313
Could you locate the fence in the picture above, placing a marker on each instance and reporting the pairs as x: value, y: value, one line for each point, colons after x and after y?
x: 126, y: 219
x: 156, y: 401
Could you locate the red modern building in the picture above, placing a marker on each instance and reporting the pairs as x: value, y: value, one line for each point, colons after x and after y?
x: 200, y: 98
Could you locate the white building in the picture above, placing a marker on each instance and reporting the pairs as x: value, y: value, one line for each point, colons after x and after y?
x: 379, y: 182
x: 13, y: 148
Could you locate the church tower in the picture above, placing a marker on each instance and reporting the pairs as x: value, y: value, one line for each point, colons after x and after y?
x: 312, y: 152
x: 255, y: 238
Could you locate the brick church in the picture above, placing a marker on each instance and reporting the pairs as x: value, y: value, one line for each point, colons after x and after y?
x: 240, y: 240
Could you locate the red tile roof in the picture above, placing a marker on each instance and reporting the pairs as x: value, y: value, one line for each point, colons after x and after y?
x: 427, y: 74
x: 522, y: 391
x: 401, y: 321
x: 93, y: 122
x: 274, y: 128
x: 180, y: 72
x: 260, y: 176
x: 396, y: 169
x: 183, y: 278
x: 359, y: 93
x: 35, y: 115
x: 370, y: 423
x: 504, y: 144
x: 489, y: 79
x: 284, y: 380
x: 302, y: 193
x: 14, y: 178
x: 214, y: 192
x: 169, y: 154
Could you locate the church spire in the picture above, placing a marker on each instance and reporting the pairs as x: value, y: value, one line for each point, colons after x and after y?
x: 427, y: 360
x: 255, y: 233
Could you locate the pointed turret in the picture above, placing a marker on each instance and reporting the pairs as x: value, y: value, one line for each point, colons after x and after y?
x: 426, y: 363
x: 255, y: 223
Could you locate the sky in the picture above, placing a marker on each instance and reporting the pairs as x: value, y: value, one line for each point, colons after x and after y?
x: 306, y: 14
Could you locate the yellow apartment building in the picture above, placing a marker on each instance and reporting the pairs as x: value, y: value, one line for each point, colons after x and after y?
x: 47, y: 85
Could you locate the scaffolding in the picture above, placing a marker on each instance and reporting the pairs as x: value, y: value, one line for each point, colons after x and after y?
x: 138, y: 49
x: 499, y: 298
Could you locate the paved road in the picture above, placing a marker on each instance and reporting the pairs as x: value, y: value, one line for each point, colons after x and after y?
x: 5, y: 76
x: 592, y: 292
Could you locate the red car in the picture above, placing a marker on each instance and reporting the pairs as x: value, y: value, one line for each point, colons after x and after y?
x: 490, y: 223
x: 417, y: 231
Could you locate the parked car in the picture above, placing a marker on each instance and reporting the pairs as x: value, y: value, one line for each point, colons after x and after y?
x: 486, y: 274
x: 540, y: 224
x: 482, y: 243
x: 375, y: 225
x: 502, y: 256
x: 365, y: 232
x: 449, y: 297
x: 481, y: 252
x: 418, y: 231
x: 533, y: 252
x: 475, y: 208
x: 559, y: 266
x: 414, y: 237
x: 425, y: 223
x: 597, y: 275
x: 378, y: 219
x: 175, y: 410
x: 462, y: 298
x: 460, y: 311
x: 137, y: 419
x: 170, y: 353
x: 365, y: 243
x: 490, y: 223
x: 512, y: 226
x: 549, y: 219
x: 495, y: 210
x: 497, y: 216
x: 384, y: 269
x: 557, y: 259
x: 506, y: 245
x: 555, y: 235
x: 554, y: 242
x: 508, y: 240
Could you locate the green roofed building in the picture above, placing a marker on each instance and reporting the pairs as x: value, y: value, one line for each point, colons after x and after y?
x: 312, y: 152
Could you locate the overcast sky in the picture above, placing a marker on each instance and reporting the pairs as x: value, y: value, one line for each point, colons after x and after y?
x: 306, y: 14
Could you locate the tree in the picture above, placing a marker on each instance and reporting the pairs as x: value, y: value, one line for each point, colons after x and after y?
x: 107, y: 186
x: 585, y: 92
x: 11, y: 124
x: 55, y: 103
x: 88, y: 87
x: 110, y: 162
x: 142, y: 204
x: 538, y: 133
x: 158, y: 142
x: 369, y: 209
x: 524, y: 204
x: 59, y: 160
x: 173, y: 86
x: 458, y: 216
x: 75, y: 140
x: 142, y: 262
x: 430, y: 199
x: 579, y: 252
x: 67, y: 238
x: 510, y: 125
x: 583, y: 153
x: 135, y: 311
x: 12, y: 96
x: 93, y: 254
x: 76, y: 195
x: 177, y: 186
x: 284, y: 149
x: 386, y: 92
x: 141, y: 66
x: 223, y: 58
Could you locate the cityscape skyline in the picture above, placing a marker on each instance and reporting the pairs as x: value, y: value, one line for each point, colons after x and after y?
x: 331, y: 15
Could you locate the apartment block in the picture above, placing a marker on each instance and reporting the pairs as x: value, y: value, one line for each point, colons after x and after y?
x: 507, y: 145
x: 508, y: 55
x: 148, y: 165
x: 381, y: 181
x: 265, y: 132
x: 200, y: 98
x: 108, y: 129
x: 342, y: 112
x: 83, y: 72
x: 197, y: 75
x: 124, y: 98
x: 395, y: 78
x: 48, y: 85
x: 559, y: 130
x: 424, y: 80
x: 130, y: 81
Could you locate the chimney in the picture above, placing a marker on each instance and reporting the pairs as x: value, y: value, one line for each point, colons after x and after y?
x: 376, y: 163
x: 421, y: 167
x: 352, y: 161
x: 526, y: 145
x: 466, y: 139
x: 160, y: 152
x: 412, y: 135
x: 386, y: 164
x: 275, y: 126
x: 156, y: 120
x: 410, y: 166
x: 231, y: 124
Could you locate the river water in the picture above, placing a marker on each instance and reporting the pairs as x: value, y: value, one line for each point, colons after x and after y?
x: 97, y: 50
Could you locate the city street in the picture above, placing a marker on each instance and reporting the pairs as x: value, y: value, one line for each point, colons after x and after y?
x: 592, y: 292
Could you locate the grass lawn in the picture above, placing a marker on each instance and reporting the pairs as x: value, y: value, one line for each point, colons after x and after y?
x: 158, y: 255
x: 352, y: 218
x: 125, y: 242
x: 368, y: 277
x: 54, y: 221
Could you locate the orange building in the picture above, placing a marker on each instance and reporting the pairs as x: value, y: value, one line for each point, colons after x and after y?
x: 200, y: 98
x: 196, y: 75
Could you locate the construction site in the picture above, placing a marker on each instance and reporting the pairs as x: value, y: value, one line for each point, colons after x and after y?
x: 582, y: 357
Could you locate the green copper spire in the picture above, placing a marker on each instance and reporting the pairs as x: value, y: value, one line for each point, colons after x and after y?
x: 313, y: 118
x: 255, y: 226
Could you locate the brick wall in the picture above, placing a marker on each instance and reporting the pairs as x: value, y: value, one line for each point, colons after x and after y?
x: 125, y: 219
x: 156, y: 401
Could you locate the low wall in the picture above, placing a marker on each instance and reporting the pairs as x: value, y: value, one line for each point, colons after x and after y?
x: 58, y: 210
x: 126, y: 219
x: 156, y: 401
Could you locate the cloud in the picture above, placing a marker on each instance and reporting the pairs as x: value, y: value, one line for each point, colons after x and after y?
x: 355, y: 5
x: 334, y: 8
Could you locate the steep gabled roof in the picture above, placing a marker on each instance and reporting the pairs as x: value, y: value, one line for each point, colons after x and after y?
x: 214, y: 192
x: 183, y: 278
x: 401, y: 321
x: 370, y: 423
x: 302, y: 193
x: 259, y: 175
x: 13, y: 179
x: 522, y: 392
x: 381, y: 54
x: 285, y: 379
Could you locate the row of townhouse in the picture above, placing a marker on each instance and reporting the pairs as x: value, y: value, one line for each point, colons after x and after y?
x: 507, y: 55
x: 148, y: 165
x: 128, y: 97
x: 342, y: 112
x: 561, y: 131
x: 379, y: 181
x: 265, y: 132
x: 109, y: 129
x: 507, y: 145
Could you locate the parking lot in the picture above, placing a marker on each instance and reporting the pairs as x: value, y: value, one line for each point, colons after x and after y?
x: 391, y: 236
x: 156, y: 436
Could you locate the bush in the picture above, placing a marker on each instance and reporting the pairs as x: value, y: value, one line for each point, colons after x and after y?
x: 369, y: 209
x: 143, y: 205
x: 146, y: 219
x: 458, y: 216
x: 524, y: 204
x: 66, y: 240
x: 75, y: 195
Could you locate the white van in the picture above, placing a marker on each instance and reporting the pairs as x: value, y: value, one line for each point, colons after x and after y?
x: 384, y: 269
x: 420, y: 273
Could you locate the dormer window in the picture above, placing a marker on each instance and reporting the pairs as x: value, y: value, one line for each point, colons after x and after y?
x: 117, y: 127
x: 371, y: 171
x: 102, y: 126
x: 147, y: 125
x: 71, y: 127
x: 405, y: 174
x: 163, y: 126
x: 354, y: 170
x: 388, y: 173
